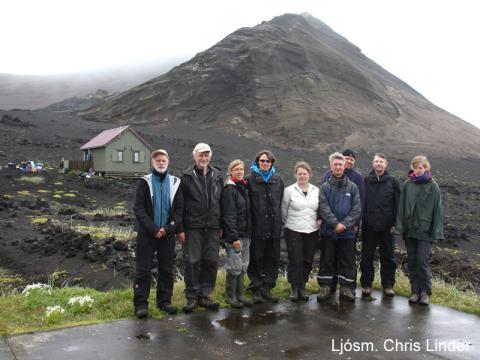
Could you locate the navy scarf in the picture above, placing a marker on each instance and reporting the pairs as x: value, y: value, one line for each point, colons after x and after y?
x: 422, y: 179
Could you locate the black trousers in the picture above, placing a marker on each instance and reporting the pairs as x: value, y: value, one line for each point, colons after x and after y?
x: 418, y: 254
x: 338, y: 262
x: 384, y: 241
x: 301, y: 248
x: 334, y: 283
x: 200, y: 255
x: 264, y: 262
x: 164, y: 248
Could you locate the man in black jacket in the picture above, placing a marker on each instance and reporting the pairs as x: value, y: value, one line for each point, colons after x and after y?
x: 266, y: 193
x: 381, y: 205
x: 201, y: 186
x: 158, y: 217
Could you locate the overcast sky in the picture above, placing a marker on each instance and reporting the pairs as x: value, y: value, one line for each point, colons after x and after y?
x: 431, y: 44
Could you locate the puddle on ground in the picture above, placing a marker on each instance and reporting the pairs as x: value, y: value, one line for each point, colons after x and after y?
x: 341, y: 306
x: 295, y: 352
x: 145, y: 336
x: 239, y: 321
x: 368, y: 298
x: 71, y: 348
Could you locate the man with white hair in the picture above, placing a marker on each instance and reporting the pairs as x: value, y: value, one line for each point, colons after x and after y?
x: 201, y: 187
x: 158, y: 216
x: 340, y: 210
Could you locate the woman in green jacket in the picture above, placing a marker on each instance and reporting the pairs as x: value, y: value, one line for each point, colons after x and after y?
x: 420, y: 221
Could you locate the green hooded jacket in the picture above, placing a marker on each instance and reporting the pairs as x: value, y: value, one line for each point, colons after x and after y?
x: 420, y: 213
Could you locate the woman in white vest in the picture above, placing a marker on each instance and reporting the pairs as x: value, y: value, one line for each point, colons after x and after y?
x: 299, y: 215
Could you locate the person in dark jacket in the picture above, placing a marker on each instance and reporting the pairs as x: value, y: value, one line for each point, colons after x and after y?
x: 236, y: 231
x: 266, y: 191
x: 340, y: 210
x: 379, y: 216
x: 357, y: 177
x: 158, y: 217
x: 353, y: 174
x: 201, y: 186
x: 420, y: 221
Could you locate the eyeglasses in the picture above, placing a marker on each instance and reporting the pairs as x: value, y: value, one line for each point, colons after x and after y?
x: 265, y: 161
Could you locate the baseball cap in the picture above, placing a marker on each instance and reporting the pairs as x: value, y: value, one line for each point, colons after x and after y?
x: 202, y: 147
x: 349, y: 152
x: 159, y: 151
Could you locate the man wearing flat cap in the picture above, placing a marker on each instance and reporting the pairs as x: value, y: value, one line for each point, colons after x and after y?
x: 202, y: 187
x: 158, y: 216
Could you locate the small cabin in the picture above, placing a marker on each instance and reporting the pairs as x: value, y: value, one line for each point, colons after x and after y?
x: 119, y: 152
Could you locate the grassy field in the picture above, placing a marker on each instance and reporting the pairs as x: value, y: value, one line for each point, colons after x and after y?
x: 21, y: 313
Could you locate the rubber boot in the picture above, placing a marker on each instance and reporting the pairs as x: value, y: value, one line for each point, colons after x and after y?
x: 293, y: 294
x: 257, y: 296
x: 241, y: 292
x: 302, y: 293
x: 231, y: 290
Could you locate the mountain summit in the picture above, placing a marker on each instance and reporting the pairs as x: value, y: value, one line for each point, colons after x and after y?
x: 294, y: 82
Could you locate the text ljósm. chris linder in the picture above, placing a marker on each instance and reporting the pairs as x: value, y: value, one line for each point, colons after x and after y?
x: 342, y: 346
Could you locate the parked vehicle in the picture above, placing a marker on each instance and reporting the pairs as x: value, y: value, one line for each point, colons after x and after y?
x: 31, y: 166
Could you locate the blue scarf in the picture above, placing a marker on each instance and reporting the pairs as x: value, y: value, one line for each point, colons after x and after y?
x: 266, y: 175
x: 161, y: 200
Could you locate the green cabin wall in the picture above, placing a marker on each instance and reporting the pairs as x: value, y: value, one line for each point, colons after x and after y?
x: 129, y: 143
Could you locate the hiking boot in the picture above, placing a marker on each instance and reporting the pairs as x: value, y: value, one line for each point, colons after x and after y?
x: 367, y: 292
x: 231, y: 291
x: 413, y: 299
x: 324, y: 293
x: 267, y: 295
x: 141, y: 312
x: 168, y: 308
x: 257, y: 296
x: 208, y: 303
x: 293, y: 294
x: 190, y: 305
x: 347, y: 294
x: 302, y: 294
x: 389, y: 292
x: 424, y: 299
x: 241, y: 292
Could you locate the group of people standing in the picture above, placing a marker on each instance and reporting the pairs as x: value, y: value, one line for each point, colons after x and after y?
x: 248, y: 213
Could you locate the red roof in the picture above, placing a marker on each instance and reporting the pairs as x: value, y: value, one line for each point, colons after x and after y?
x: 106, y: 136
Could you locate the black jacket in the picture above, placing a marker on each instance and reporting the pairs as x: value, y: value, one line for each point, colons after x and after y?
x: 198, y: 211
x: 381, y: 202
x: 143, y: 207
x: 265, y: 205
x: 235, y: 212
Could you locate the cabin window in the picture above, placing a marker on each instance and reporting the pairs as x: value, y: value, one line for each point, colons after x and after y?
x: 138, y: 156
x: 120, y: 155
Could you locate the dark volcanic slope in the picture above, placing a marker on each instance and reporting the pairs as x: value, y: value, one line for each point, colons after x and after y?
x: 296, y: 81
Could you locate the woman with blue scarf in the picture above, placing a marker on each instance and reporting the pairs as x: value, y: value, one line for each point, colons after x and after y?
x: 420, y: 221
x: 266, y: 191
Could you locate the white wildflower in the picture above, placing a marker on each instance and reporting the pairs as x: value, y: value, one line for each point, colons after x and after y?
x: 37, y: 287
x: 53, y: 310
x: 81, y: 301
